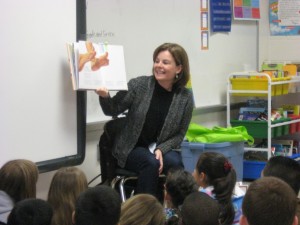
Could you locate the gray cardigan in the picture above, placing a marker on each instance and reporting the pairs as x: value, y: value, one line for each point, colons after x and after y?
x: 137, y: 101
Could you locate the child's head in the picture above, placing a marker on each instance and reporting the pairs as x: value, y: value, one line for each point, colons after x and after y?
x: 142, y: 209
x: 66, y: 185
x: 31, y: 212
x: 179, y: 183
x: 269, y: 200
x: 284, y: 168
x: 100, y: 205
x: 200, y: 209
x: 214, y: 169
x: 18, y: 179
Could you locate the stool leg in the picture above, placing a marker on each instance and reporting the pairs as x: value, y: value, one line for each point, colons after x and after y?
x: 122, y: 190
x: 115, y: 181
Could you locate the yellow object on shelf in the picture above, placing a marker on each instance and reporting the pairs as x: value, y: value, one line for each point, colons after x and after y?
x: 290, y: 70
x: 285, y: 87
x: 258, y: 84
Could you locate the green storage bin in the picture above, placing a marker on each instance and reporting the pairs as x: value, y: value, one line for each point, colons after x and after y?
x: 286, y: 128
x: 281, y: 130
x: 259, y: 129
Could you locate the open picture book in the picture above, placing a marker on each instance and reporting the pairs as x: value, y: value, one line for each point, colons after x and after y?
x: 97, y: 65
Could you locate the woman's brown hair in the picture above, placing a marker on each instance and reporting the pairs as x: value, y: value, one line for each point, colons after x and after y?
x: 181, y: 59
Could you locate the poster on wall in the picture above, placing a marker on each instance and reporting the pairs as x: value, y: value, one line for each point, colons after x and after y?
x: 284, y: 17
x: 246, y: 10
x: 204, y: 24
x: 220, y: 15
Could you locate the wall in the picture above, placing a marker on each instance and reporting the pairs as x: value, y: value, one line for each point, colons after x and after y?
x: 140, y: 26
x: 275, y: 48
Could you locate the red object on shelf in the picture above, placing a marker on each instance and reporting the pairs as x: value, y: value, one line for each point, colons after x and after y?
x: 294, y: 127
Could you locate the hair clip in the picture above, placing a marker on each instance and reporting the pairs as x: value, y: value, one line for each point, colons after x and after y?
x: 227, y: 166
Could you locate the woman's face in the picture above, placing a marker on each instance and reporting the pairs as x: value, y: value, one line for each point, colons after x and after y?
x: 165, y: 68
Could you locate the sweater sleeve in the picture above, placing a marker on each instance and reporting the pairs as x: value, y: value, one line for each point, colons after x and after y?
x: 173, y: 141
x: 113, y: 106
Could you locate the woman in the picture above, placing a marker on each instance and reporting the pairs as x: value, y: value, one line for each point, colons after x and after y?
x: 18, y: 180
x: 159, y: 112
x: 142, y: 209
x: 66, y: 185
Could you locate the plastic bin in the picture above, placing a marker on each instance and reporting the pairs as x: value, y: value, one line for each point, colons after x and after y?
x: 259, y: 84
x: 244, y: 83
x: 294, y: 127
x: 252, y: 169
x: 234, y: 151
x: 259, y: 129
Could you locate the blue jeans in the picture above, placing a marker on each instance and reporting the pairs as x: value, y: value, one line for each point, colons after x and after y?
x: 143, y: 162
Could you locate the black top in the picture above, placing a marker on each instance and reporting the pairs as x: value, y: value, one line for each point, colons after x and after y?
x: 158, y: 110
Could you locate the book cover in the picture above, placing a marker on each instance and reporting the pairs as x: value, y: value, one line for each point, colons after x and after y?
x: 97, y: 65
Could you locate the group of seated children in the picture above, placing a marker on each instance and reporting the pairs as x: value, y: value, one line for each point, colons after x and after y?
x: 209, y: 196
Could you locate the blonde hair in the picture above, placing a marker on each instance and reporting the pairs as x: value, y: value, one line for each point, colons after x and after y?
x: 142, y: 209
x: 66, y: 185
x: 18, y: 179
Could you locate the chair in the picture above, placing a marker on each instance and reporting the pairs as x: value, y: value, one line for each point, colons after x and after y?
x: 112, y: 174
x: 122, y: 176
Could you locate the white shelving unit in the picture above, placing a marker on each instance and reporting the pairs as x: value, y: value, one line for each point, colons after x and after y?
x: 251, y: 93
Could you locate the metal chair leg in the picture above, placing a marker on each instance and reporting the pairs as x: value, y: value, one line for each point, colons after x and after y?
x: 122, y: 189
x: 116, y: 180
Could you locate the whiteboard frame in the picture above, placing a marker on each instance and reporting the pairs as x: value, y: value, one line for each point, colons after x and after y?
x: 77, y: 159
x: 28, y: 132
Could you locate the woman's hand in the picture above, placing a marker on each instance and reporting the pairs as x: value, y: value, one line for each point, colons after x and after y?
x: 159, y: 156
x: 102, y: 92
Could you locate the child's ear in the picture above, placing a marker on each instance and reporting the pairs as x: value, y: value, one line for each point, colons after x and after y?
x: 202, y: 179
x: 202, y: 176
x: 73, y: 217
x: 295, y: 222
x: 243, y: 220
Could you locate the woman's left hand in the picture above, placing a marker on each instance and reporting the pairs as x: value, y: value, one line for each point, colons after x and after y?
x: 159, y: 156
x: 103, y: 92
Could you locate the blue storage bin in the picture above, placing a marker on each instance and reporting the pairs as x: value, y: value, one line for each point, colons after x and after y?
x: 234, y: 151
x: 252, y: 169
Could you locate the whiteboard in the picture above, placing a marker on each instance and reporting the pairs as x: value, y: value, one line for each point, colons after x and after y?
x: 41, y: 117
x: 140, y: 26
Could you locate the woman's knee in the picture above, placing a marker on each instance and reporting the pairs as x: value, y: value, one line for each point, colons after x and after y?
x: 153, y: 163
x: 173, y: 157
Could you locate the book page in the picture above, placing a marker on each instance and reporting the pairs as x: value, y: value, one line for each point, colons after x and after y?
x: 101, y: 65
x: 71, y: 57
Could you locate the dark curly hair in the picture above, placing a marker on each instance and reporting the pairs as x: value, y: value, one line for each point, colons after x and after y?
x: 179, y: 184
